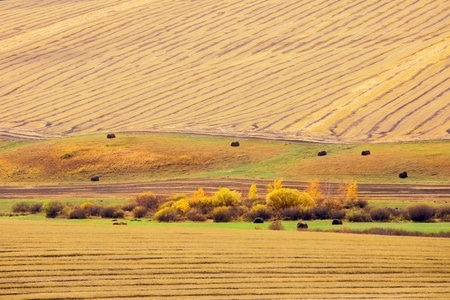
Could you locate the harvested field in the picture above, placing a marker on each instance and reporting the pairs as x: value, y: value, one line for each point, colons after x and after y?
x: 78, y: 260
x: 319, y: 70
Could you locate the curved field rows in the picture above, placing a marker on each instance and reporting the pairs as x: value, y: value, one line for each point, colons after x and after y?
x: 308, y: 70
x: 71, y: 260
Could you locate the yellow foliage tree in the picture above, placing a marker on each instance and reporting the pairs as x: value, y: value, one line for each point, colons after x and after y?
x: 199, y: 193
x: 285, y: 197
x: 253, y: 192
x: 277, y: 184
x: 351, y: 191
x: 182, y: 205
x: 314, y: 190
x: 226, y: 197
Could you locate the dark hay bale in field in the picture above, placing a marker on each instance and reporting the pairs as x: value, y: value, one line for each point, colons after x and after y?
x: 302, y: 225
x: 322, y: 153
x: 365, y: 152
x: 120, y: 223
x: 235, y: 144
x: 336, y: 222
x: 95, y: 178
x: 258, y: 220
x: 403, y: 175
x: 110, y: 136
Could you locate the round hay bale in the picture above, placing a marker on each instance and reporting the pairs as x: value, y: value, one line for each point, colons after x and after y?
x: 322, y: 153
x: 336, y: 222
x: 403, y: 175
x: 258, y: 220
x: 302, y: 226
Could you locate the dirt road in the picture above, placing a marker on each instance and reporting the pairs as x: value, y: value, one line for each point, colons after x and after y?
x: 405, y: 192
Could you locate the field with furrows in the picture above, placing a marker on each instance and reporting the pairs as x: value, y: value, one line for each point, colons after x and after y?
x: 76, y: 260
x: 319, y: 70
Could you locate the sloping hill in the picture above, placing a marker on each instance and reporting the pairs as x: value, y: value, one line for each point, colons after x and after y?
x: 322, y: 70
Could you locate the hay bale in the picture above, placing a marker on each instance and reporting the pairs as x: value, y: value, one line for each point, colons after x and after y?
x: 322, y: 153
x: 258, y: 220
x: 110, y: 136
x: 95, y: 178
x: 336, y: 222
x: 403, y: 175
x: 302, y: 226
x: 235, y: 144
x: 365, y: 152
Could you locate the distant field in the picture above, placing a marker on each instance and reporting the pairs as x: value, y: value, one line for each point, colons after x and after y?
x: 61, y: 259
x: 317, y: 70
x: 153, y: 157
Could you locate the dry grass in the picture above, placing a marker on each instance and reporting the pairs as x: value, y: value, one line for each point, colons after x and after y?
x: 67, y: 259
x: 127, y: 157
x: 151, y: 157
x: 308, y: 70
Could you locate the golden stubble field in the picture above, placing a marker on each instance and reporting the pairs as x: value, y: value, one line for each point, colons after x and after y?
x: 307, y: 70
x: 80, y: 260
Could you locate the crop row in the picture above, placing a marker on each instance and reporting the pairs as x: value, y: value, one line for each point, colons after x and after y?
x: 56, y: 259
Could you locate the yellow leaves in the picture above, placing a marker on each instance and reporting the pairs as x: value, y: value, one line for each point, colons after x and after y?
x: 314, y: 190
x: 253, y: 192
x: 182, y: 205
x: 285, y: 197
x: 351, y: 191
x: 277, y: 184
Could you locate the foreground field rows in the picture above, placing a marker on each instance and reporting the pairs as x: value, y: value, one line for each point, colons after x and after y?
x: 80, y: 260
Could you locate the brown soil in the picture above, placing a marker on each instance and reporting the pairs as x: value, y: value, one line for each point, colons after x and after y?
x: 401, y: 192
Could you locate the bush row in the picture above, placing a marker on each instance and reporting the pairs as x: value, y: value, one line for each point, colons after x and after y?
x: 227, y: 205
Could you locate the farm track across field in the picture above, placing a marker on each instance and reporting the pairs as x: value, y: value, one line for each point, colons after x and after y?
x: 406, y: 192
x: 75, y: 260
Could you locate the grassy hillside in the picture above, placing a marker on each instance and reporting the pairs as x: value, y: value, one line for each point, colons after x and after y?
x: 147, y: 157
x: 320, y: 70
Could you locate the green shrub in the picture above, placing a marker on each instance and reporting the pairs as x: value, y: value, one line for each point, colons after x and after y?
x: 52, y: 208
x: 421, y: 213
x: 222, y: 214
x: 380, y: 214
x: 357, y: 215
x: 167, y: 214
x: 276, y: 225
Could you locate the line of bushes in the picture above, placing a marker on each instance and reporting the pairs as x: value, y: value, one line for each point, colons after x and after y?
x: 226, y: 205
